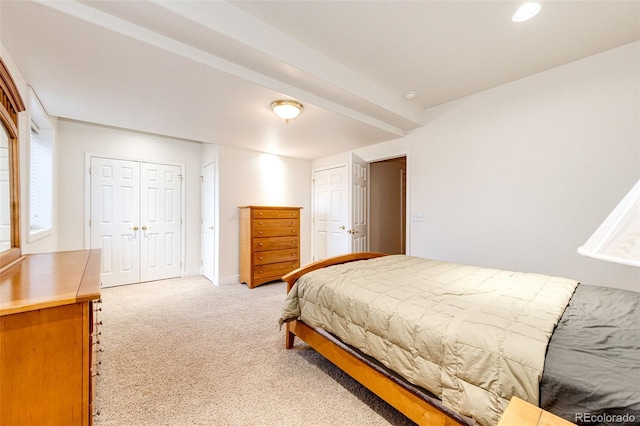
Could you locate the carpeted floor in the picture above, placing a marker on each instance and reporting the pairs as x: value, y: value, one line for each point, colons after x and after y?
x: 185, y: 352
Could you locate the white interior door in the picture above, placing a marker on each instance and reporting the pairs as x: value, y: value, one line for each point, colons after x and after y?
x: 208, y: 221
x: 359, y: 184
x: 160, y: 188
x: 115, y: 219
x: 136, y: 220
x: 330, y: 212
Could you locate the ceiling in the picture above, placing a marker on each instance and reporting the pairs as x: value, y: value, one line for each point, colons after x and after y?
x: 207, y: 71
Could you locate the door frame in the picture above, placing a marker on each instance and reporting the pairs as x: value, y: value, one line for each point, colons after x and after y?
x: 407, y: 155
x: 401, y: 153
x: 87, y: 198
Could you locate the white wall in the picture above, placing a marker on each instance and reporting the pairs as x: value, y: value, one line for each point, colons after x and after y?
x: 253, y: 178
x: 516, y: 177
x: 243, y: 177
x: 519, y: 176
x: 74, y: 139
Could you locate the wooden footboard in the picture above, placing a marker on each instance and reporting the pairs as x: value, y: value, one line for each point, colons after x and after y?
x: 412, y: 405
x: 293, y: 276
x: 398, y: 396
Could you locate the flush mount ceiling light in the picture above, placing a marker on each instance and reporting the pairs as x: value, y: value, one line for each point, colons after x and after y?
x: 526, y: 11
x: 287, y: 110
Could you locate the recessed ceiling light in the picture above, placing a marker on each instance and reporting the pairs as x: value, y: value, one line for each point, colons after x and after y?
x: 410, y: 95
x: 526, y: 11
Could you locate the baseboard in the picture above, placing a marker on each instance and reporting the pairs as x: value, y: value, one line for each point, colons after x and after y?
x: 230, y: 280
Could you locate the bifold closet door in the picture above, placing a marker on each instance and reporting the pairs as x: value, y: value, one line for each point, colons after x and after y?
x: 159, y: 221
x: 135, y: 220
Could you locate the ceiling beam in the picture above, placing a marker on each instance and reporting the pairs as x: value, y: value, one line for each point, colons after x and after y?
x: 259, y: 54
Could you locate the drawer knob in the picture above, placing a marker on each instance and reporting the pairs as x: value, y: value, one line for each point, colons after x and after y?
x: 260, y: 271
x: 260, y: 222
x: 260, y: 257
x: 260, y: 244
x: 260, y: 214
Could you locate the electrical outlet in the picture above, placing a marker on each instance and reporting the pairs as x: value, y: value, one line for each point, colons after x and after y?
x: 417, y: 217
x: 233, y: 215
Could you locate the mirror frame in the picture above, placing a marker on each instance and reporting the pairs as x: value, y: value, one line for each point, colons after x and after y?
x: 10, y: 105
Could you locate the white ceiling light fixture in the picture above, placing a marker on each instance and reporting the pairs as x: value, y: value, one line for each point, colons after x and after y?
x: 287, y: 110
x: 526, y: 11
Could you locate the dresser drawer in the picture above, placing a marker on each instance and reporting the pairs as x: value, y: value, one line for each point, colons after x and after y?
x: 274, y: 270
x: 275, y: 243
x: 275, y: 214
x: 277, y: 232
x: 275, y: 223
x: 275, y: 256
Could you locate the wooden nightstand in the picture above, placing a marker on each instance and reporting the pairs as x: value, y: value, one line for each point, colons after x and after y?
x: 521, y: 413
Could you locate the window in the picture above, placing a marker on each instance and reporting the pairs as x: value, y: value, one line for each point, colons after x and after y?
x: 40, y: 171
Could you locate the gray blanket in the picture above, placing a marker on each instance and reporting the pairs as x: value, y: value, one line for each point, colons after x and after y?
x: 592, y: 368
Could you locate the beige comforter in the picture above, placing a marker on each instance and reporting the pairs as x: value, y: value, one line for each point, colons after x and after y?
x: 472, y: 336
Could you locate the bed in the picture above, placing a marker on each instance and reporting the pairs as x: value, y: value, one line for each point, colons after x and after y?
x: 456, y: 355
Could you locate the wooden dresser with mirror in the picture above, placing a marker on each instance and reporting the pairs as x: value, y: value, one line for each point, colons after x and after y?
x: 48, y: 307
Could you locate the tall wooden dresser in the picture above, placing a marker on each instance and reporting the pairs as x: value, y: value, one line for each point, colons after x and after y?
x: 48, y: 339
x: 269, y: 243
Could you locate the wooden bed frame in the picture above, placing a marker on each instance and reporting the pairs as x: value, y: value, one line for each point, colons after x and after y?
x: 411, y: 404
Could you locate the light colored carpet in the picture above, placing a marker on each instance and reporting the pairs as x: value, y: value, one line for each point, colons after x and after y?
x: 185, y: 352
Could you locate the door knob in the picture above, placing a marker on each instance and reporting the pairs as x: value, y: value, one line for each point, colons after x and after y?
x: 135, y: 228
x: 342, y: 227
x: 144, y: 227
